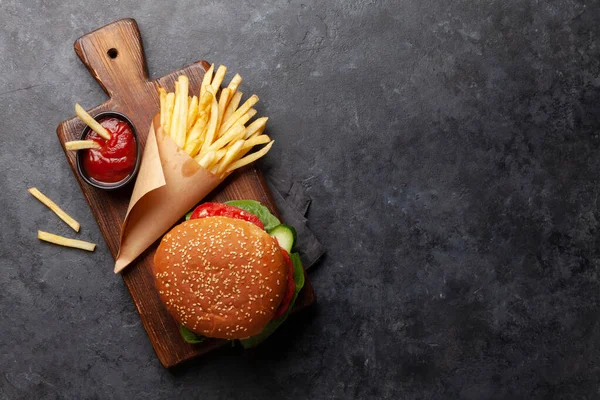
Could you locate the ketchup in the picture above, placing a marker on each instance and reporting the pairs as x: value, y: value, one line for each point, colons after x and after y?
x: 115, y: 160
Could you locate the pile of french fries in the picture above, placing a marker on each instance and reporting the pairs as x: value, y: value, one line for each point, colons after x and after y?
x: 212, y: 127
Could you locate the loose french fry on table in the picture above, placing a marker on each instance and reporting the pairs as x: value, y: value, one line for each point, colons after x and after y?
x: 55, y: 208
x: 67, y: 242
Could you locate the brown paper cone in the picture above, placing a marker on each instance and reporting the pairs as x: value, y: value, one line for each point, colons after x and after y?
x: 168, y: 185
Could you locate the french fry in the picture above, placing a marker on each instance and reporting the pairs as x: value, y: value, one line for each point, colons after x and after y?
x: 255, y: 134
x: 163, y: 102
x: 223, y: 100
x: 242, y: 120
x: 206, y: 81
x: 183, y: 111
x: 63, y: 241
x: 256, y: 127
x: 246, y: 117
x: 195, y: 138
x: 55, y: 208
x: 239, y: 112
x: 234, y: 102
x: 219, y: 155
x: 255, y: 141
x: 204, y: 102
x: 236, y: 132
x: 213, y: 169
x: 218, y: 79
x: 232, y: 152
x: 91, y: 122
x: 212, y: 122
x: 175, y: 117
x: 250, y: 158
x: 204, y: 113
x: 234, y: 83
x: 170, y: 105
x: 81, y: 144
x: 207, y: 159
x: 192, y: 112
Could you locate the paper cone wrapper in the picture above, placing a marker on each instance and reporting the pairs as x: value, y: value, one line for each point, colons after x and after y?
x: 168, y: 185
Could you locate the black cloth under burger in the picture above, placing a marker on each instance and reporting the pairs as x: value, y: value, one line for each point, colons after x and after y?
x: 293, y: 202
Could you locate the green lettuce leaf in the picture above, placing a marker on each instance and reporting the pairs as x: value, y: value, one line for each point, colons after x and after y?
x: 190, y: 336
x: 269, y: 220
x: 274, y: 324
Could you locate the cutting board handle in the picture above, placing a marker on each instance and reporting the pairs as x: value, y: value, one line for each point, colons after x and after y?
x: 114, y: 55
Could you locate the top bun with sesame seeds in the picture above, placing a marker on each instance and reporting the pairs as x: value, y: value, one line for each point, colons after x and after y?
x: 220, y: 277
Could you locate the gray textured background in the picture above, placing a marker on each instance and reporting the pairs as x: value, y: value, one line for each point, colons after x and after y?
x: 450, y: 147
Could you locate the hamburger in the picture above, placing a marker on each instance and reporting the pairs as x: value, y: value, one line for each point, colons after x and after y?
x: 227, y: 272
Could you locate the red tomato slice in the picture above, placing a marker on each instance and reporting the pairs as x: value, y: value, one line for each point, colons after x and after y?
x: 291, y: 287
x: 224, y: 210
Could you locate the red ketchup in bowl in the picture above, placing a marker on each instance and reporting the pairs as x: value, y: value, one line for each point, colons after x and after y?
x: 115, y: 160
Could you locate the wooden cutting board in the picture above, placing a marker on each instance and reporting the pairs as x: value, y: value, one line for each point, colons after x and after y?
x: 114, y: 55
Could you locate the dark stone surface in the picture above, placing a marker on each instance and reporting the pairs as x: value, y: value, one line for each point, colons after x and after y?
x: 451, y: 150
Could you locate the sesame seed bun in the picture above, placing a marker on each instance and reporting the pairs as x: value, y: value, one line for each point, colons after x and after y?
x: 220, y: 277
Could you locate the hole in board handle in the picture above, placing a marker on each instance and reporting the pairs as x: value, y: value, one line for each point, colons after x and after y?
x: 112, y: 53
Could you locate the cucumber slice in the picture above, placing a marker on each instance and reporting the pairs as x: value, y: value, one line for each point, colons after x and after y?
x: 285, y: 235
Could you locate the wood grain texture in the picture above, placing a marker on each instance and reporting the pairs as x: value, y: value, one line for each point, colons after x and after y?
x: 124, y: 78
